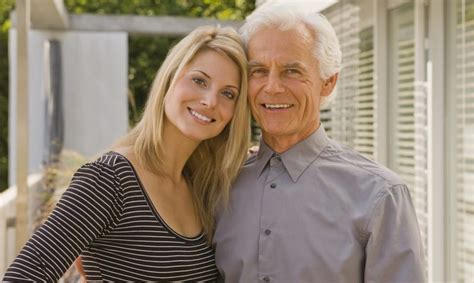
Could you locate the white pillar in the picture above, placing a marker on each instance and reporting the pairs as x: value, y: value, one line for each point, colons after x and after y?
x: 437, y: 194
x: 23, y: 26
x: 381, y: 81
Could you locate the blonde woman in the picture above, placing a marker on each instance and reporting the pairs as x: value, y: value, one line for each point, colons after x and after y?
x: 145, y: 211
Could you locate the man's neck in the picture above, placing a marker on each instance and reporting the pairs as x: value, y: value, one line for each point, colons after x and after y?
x: 280, y: 144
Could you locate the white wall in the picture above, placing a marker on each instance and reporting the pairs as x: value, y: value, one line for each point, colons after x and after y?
x: 94, y: 72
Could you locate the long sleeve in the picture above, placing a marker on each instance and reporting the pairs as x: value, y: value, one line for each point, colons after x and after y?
x: 394, y: 251
x: 87, y: 209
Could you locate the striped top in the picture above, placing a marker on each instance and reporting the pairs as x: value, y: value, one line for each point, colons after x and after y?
x: 106, y: 216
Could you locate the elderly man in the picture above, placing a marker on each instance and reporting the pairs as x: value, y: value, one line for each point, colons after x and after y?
x: 304, y: 208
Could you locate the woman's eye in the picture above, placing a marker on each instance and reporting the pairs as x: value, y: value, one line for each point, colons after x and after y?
x: 228, y: 94
x: 199, y: 82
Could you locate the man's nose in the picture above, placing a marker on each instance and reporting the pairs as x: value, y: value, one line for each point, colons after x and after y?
x: 274, y: 84
x: 209, y: 99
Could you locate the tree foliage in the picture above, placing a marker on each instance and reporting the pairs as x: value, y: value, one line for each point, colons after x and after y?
x: 5, y: 7
x: 220, y: 9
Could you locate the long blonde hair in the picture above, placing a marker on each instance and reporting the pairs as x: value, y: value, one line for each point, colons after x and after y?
x: 215, y: 163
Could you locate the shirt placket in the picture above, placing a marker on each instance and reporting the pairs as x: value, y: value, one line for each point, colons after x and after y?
x: 266, y: 270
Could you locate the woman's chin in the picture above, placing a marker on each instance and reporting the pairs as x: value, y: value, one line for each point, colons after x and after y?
x: 199, y: 137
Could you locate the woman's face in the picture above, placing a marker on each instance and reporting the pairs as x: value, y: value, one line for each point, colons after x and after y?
x: 203, y: 99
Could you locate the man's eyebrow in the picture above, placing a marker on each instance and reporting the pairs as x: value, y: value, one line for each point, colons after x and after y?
x: 296, y: 65
x: 254, y: 64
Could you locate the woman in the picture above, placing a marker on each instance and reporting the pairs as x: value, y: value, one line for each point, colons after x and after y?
x: 144, y: 212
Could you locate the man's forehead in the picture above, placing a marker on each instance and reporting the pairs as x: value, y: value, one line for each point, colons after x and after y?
x: 276, y: 40
x: 285, y: 54
x: 299, y: 33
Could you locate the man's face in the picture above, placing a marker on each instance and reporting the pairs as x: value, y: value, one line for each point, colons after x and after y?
x: 285, y: 85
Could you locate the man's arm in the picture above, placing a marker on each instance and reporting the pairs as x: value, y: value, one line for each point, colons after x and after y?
x: 394, y: 251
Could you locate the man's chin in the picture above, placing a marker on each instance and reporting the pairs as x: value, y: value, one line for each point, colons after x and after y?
x: 275, y: 133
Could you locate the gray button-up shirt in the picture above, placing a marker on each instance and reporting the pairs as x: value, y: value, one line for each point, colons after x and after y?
x: 318, y: 212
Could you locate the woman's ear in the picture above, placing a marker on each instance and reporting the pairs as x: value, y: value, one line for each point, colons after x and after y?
x: 329, y: 84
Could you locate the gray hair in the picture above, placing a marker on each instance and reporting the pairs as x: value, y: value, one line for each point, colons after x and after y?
x: 284, y: 17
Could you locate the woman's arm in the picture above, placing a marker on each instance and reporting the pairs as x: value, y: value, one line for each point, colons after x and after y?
x: 87, y: 208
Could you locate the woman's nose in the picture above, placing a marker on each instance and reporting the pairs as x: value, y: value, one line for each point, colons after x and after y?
x: 209, y: 99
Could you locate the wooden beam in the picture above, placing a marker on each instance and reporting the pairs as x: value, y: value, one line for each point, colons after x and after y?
x: 22, y: 230
x: 49, y: 14
x: 151, y: 25
x: 156, y: 25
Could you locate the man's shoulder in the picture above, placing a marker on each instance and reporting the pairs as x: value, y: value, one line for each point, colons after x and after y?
x: 247, y: 172
x: 360, y: 165
x: 251, y: 159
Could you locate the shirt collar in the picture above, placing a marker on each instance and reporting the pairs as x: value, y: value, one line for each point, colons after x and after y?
x: 298, y: 157
x: 263, y: 156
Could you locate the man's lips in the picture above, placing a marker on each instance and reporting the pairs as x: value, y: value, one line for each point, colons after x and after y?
x: 276, y: 106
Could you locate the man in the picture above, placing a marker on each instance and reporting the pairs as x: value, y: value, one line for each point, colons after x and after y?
x: 304, y: 208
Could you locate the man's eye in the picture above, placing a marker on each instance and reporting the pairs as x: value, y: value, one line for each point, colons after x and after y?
x: 199, y: 82
x: 292, y: 71
x: 228, y: 94
x: 257, y: 71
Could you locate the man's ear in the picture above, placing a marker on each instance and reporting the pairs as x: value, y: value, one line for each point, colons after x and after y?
x: 329, y: 84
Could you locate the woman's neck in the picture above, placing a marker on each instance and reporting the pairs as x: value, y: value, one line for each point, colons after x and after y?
x: 177, y: 149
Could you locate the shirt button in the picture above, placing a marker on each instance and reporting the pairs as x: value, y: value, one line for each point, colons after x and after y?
x: 267, y: 232
x: 273, y: 185
x: 266, y: 279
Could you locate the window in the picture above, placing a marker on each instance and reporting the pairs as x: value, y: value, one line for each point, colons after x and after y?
x: 339, y: 118
x: 463, y: 92
x: 408, y: 111
x: 365, y: 121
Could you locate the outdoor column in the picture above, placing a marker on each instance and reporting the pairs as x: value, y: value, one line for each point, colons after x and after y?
x: 381, y: 81
x: 438, y: 256
x: 23, y: 25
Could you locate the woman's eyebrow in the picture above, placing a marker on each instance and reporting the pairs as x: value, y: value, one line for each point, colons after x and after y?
x: 202, y: 72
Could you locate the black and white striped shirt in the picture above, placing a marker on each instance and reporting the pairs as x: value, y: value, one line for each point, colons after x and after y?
x: 106, y: 216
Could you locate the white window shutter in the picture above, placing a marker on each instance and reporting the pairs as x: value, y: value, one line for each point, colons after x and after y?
x: 339, y: 118
x: 365, y: 100
x: 465, y: 139
x: 408, y: 101
x: 350, y: 119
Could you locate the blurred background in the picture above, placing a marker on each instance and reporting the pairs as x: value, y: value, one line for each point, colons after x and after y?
x: 75, y: 74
